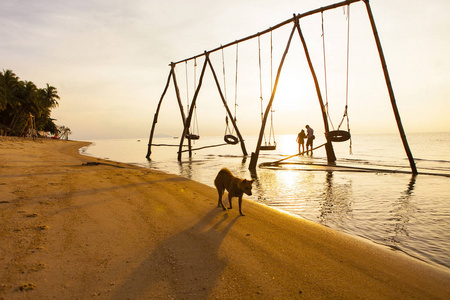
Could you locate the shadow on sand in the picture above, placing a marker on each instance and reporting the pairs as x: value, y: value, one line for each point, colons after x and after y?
x: 186, y: 265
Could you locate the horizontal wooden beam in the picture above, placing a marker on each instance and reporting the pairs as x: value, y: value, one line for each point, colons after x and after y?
x: 325, y: 8
x: 298, y: 16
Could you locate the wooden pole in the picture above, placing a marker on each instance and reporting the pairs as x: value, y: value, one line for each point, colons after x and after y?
x: 180, y: 105
x: 255, y: 155
x: 244, y: 151
x: 155, y: 118
x: 390, y: 89
x: 191, y: 110
x: 331, y: 157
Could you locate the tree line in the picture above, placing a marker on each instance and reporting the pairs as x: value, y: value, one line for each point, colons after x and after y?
x: 20, y: 98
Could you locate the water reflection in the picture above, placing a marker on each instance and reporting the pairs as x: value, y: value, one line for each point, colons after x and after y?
x: 335, y: 204
x: 403, y: 211
x: 185, y: 169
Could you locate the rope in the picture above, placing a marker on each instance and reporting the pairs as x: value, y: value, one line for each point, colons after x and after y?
x: 345, y: 116
x: 236, y: 83
x: 168, y: 145
x: 260, y: 76
x: 187, y: 88
x: 348, y: 59
x: 195, y: 120
x: 271, y: 64
x: 346, y: 82
x: 260, y: 84
x: 325, y: 72
x: 195, y: 73
x: 272, y: 132
x: 224, y: 81
x: 227, y: 129
x: 211, y: 146
x: 291, y: 156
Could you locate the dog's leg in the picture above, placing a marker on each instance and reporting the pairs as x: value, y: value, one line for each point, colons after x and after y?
x: 220, y: 203
x: 229, y: 201
x: 240, y: 206
x: 220, y: 197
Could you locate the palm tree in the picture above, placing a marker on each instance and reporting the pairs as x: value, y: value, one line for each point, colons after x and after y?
x: 20, y: 98
x: 51, y: 96
x: 9, y: 85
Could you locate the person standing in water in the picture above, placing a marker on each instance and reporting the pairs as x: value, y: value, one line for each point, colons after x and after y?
x: 301, y: 142
x: 309, y: 139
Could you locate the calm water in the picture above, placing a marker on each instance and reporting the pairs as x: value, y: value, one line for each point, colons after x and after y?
x: 407, y: 213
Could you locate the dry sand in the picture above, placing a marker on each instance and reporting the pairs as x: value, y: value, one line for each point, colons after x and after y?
x: 115, y: 231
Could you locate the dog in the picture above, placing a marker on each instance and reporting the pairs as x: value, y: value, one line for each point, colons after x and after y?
x: 235, y: 186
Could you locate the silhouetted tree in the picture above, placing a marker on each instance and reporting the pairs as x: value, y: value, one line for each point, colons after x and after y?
x: 20, y: 98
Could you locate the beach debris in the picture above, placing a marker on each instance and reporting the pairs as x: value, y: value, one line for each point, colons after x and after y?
x: 94, y: 163
x: 27, y: 287
x: 91, y: 163
x: 33, y: 215
x: 42, y: 227
x: 38, y: 267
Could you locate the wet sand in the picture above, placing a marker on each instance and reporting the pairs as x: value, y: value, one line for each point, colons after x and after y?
x: 79, y: 227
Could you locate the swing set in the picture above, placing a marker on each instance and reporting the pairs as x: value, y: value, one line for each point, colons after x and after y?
x: 268, y: 145
x: 232, y: 136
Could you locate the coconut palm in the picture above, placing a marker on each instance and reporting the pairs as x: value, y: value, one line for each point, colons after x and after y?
x: 20, y: 98
x: 51, y: 96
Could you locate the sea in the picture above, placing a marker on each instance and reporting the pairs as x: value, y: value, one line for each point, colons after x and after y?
x: 370, y: 192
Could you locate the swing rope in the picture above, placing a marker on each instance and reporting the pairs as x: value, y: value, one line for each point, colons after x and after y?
x: 260, y: 83
x: 195, y: 135
x: 187, y: 86
x: 229, y: 130
x: 346, y: 83
x: 260, y: 78
x: 271, y: 130
x: 236, y: 84
x: 224, y: 81
x: 348, y: 59
x: 229, y: 137
x: 345, y: 116
x: 339, y: 135
x: 325, y: 72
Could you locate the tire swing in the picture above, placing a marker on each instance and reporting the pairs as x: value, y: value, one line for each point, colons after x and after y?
x: 268, y: 146
x: 229, y: 137
x: 338, y: 135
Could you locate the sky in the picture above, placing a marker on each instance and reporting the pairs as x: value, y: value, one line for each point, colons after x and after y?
x: 109, y: 61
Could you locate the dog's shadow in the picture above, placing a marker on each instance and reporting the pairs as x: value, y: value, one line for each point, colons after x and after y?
x: 187, y: 265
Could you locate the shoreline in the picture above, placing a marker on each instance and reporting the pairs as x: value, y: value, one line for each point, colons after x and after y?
x: 114, y: 231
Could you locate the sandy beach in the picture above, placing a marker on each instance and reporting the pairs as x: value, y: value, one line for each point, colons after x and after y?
x: 77, y: 227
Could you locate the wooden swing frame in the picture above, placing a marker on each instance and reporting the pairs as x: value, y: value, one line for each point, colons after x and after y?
x: 296, y: 20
